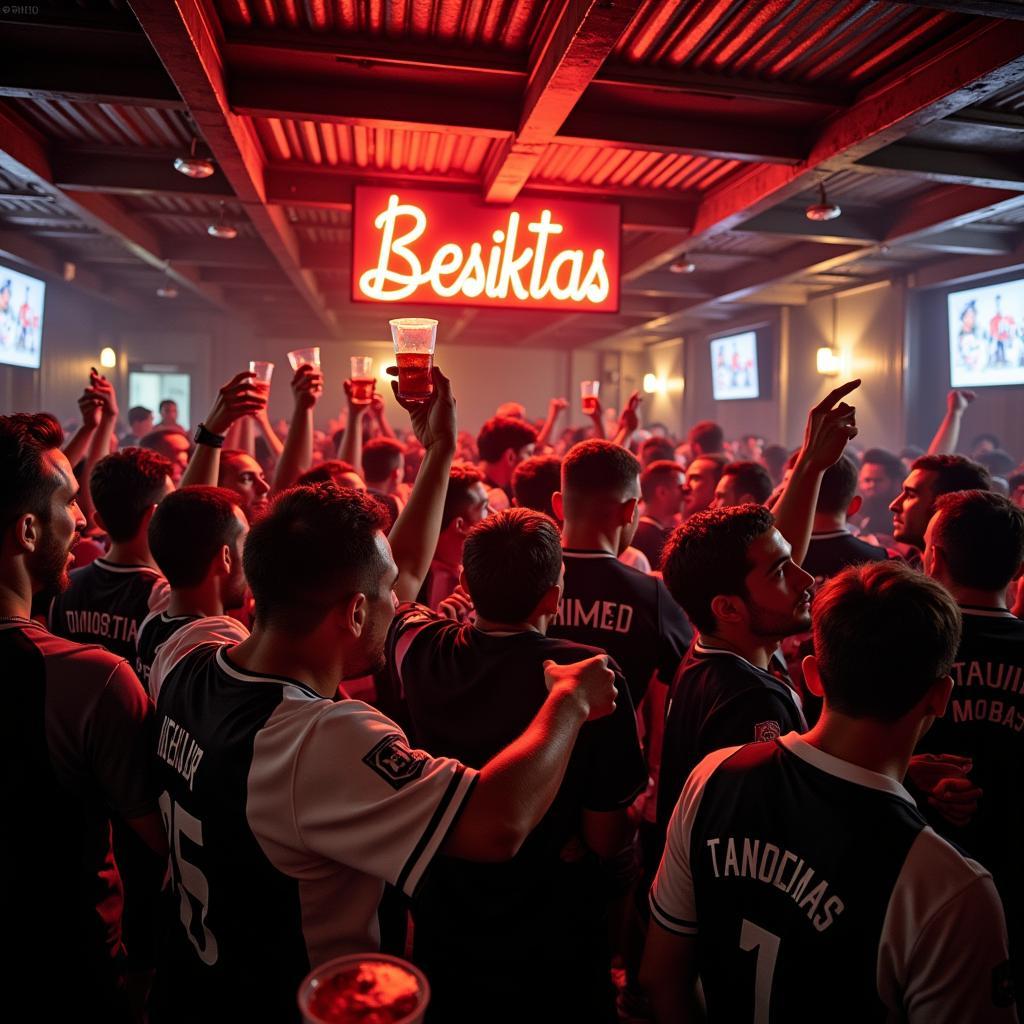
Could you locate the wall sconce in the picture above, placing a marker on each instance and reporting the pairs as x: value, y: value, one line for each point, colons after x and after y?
x: 108, y: 358
x: 829, y: 361
x: 650, y: 383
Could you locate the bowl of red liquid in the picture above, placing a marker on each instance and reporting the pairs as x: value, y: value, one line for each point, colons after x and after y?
x: 364, y: 988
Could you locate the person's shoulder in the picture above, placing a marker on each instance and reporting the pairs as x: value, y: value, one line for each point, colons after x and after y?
x: 936, y: 871
x: 869, y: 552
x: 565, y: 652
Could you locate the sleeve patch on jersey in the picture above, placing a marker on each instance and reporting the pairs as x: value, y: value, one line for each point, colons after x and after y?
x: 395, y: 762
x: 1002, y: 985
x: 765, y: 732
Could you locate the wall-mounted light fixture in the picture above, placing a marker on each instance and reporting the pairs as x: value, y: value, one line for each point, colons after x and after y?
x: 108, y: 358
x: 651, y: 384
x: 829, y: 361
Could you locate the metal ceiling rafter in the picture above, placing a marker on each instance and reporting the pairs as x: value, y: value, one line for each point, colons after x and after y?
x: 187, y: 44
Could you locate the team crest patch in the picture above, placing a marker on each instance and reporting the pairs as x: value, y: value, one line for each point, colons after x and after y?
x: 765, y: 732
x: 395, y: 762
x: 1002, y: 985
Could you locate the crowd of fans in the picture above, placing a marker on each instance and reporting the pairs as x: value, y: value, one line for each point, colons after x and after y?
x: 596, y: 725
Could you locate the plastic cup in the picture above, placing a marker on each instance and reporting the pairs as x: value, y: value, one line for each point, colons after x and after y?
x: 305, y: 357
x: 327, y: 994
x: 263, y: 372
x: 588, y: 395
x: 363, y: 382
x: 414, y: 339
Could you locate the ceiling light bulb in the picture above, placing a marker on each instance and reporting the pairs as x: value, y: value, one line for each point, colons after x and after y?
x: 193, y: 166
x: 222, y: 229
x: 823, y: 210
x: 167, y: 291
x: 683, y: 265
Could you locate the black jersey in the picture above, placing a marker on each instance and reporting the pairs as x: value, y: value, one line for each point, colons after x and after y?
x: 106, y: 604
x: 155, y: 629
x: 829, y: 553
x: 627, y: 613
x: 542, y: 915
x: 77, y: 748
x: 719, y: 699
x: 650, y: 538
x: 816, y: 891
x: 285, y: 811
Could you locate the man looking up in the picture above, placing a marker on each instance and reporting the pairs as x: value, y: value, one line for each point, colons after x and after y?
x: 800, y: 872
x: 470, y: 691
x: 662, y: 488
x: 313, y: 802
x: 702, y: 476
x: 742, y: 483
x: 503, y: 443
x: 196, y: 536
x: 108, y: 599
x: 974, y: 547
x: 78, y: 748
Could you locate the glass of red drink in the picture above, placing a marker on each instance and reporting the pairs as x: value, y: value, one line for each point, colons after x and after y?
x: 305, y: 357
x: 364, y: 987
x: 414, y: 339
x: 588, y: 395
x: 263, y: 372
x: 363, y: 381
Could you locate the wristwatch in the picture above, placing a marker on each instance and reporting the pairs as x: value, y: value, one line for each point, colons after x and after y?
x: 208, y: 437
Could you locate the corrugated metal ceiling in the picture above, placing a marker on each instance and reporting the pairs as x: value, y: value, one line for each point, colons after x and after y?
x: 107, y: 124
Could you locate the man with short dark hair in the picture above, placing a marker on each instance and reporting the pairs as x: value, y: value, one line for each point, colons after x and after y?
x: 662, y: 487
x: 140, y: 423
x: 742, y: 483
x: 800, y: 872
x: 931, y: 476
x: 702, y: 476
x: 384, y: 469
x: 656, y: 449
x: 879, y: 481
x: 503, y: 442
x: 535, y: 480
x: 332, y: 471
x: 974, y: 547
x: 239, y: 472
x: 196, y: 537
x: 168, y: 409
x: 107, y: 600
x: 173, y: 444
x: 534, y: 929
x: 77, y: 749
x: 288, y: 809
x: 706, y: 438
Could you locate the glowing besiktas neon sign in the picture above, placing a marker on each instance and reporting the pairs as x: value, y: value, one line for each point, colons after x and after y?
x: 424, y: 246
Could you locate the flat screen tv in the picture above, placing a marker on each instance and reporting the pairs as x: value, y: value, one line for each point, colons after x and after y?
x: 21, y: 318
x: 734, y: 367
x: 986, y: 335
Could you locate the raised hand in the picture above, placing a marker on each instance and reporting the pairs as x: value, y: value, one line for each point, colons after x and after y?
x: 103, y: 392
x: 629, y: 420
x: 458, y: 605
x: 831, y: 425
x: 237, y: 398
x: 591, y: 683
x: 433, y: 421
x: 91, y: 408
x: 557, y: 405
x: 957, y: 401
x: 307, y: 386
x: 944, y: 778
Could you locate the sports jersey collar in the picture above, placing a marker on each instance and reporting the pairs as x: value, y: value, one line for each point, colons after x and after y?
x: 110, y: 567
x: 831, y: 534
x: 702, y: 648
x: 229, y: 668
x: 576, y: 553
x: 988, y: 613
x: 843, y: 769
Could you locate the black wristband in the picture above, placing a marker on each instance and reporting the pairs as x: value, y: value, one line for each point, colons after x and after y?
x: 208, y: 437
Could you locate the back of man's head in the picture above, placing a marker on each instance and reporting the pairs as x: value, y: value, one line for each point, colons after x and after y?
x: 315, y: 547
x: 981, y: 537
x: 838, y: 487
x: 883, y: 635
x: 661, y: 473
x: 381, y: 457
x: 189, y: 529
x: 954, y: 473
x: 774, y: 458
x: 125, y: 486
x: 891, y: 464
x: 707, y: 556
x: 500, y: 433
x: 597, y: 474
x: 138, y: 414
x: 458, y: 498
x: 706, y: 437
x: 26, y: 482
x: 534, y: 480
x: 656, y: 449
x: 331, y: 471
x: 518, y: 537
x: 751, y: 479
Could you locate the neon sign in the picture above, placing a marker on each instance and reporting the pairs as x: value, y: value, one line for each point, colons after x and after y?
x: 424, y: 247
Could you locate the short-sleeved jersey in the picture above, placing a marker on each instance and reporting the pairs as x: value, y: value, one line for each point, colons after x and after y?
x: 650, y: 538
x: 207, y: 629
x: 77, y: 748
x: 815, y: 890
x: 629, y: 614
x: 106, y: 604
x: 829, y: 553
x: 286, y: 812
x: 719, y: 699
x: 985, y: 722
x: 155, y: 629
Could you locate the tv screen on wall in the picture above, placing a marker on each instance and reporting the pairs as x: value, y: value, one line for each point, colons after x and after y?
x: 986, y: 335
x: 21, y: 318
x: 734, y: 367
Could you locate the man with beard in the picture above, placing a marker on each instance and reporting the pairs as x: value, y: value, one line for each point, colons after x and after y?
x: 78, y: 748
x: 288, y: 810
x: 196, y: 536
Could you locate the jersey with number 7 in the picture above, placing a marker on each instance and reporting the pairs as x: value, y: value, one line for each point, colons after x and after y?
x: 816, y: 890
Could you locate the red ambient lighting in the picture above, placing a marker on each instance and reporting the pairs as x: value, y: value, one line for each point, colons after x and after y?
x: 423, y: 246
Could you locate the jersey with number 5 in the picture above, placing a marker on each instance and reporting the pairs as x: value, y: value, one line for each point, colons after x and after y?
x: 815, y: 890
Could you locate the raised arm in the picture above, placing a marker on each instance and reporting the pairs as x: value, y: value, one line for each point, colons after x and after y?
x: 628, y: 421
x: 830, y: 425
x: 274, y: 443
x: 377, y: 412
x: 414, y: 536
x: 516, y: 788
x: 555, y: 407
x: 597, y: 418
x: 99, y: 444
x: 89, y: 406
x: 350, y: 447
x: 235, y: 399
x: 947, y: 437
x: 297, y: 456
